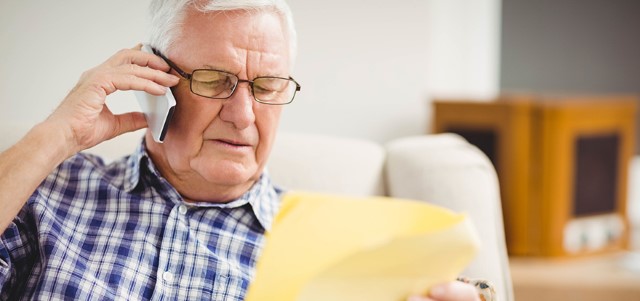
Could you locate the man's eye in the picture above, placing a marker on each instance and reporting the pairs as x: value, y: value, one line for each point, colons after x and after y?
x: 212, y: 82
x: 260, y: 89
x: 271, y: 85
x: 221, y: 83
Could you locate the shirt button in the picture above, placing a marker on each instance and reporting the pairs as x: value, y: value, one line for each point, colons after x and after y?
x: 182, y: 209
x: 167, y: 276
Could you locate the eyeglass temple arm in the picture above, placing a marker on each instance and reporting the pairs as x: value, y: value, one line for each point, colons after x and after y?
x: 172, y: 65
x: 295, y: 82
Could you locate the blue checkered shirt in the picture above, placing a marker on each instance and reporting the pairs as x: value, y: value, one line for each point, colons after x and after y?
x: 121, y: 232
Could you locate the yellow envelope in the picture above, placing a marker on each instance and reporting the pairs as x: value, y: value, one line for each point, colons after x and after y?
x: 336, y: 248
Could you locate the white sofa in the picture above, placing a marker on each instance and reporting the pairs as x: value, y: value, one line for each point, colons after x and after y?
x: 441, y: 169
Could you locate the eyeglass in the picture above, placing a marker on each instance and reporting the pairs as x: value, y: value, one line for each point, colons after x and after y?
x: 219, y: 84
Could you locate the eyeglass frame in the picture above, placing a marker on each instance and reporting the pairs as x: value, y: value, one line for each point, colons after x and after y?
x: 188, y: 76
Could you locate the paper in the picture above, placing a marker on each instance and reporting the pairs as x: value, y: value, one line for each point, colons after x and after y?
x: 343, y: 248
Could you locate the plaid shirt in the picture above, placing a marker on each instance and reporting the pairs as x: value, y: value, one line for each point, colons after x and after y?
x: 121, y: 232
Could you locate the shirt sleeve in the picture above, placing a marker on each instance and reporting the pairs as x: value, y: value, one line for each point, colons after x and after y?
x: 18, y: 253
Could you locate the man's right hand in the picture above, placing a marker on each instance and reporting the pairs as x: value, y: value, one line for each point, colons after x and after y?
x: 81, y: 121
x: 84, y: 119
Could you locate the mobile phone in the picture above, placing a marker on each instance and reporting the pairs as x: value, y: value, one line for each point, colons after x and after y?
x: 158, y: 110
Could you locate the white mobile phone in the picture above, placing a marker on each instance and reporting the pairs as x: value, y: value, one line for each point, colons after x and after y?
x: 157, y: 109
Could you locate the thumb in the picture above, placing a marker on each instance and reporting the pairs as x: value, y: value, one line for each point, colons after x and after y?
x: 129, y: 122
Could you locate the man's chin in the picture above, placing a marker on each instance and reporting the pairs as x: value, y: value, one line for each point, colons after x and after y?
x: 221, y: 187
x: 227, y: 173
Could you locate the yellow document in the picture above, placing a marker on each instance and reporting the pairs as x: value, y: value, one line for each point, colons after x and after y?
x: 335, y: 248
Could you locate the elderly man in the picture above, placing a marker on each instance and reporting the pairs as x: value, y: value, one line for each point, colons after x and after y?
x: 181, y: 220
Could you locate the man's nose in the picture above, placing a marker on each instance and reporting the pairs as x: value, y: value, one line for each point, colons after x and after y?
x: 238, y: 109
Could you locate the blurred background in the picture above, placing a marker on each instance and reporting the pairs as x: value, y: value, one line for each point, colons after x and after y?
x: 368, y: 69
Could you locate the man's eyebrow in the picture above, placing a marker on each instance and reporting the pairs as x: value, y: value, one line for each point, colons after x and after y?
x: 211, y: 67
x: 206, y: 66
x: 217, y: 68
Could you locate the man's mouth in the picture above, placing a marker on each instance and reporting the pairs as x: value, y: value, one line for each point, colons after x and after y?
x: 232, y: 142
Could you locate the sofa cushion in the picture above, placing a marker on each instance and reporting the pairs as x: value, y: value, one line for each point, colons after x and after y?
x: 327, y: 164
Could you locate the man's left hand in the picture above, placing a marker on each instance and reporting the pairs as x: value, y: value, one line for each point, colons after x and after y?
x: 450, y: 291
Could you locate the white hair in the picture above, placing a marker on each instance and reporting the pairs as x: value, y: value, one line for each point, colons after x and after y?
x: 167, y: 16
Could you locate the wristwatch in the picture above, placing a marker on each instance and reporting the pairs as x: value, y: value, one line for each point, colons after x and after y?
x: 485, y: 289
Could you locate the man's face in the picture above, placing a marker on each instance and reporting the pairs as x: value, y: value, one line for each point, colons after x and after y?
x: 215, y: 149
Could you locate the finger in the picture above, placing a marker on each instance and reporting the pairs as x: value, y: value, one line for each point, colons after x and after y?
x: 140, y: 58
x: 150, y: 60
x: 454, y: 291
x: 129, y: 122
x: 126, y: 82
x: 160, y: 77
x: 137, y: 47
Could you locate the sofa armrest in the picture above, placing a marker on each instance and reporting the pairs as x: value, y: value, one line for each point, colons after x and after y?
x: 448, y: 171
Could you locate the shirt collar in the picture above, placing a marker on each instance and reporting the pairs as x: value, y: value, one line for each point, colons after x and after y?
x: 263, y: 198
x: 132, y: 171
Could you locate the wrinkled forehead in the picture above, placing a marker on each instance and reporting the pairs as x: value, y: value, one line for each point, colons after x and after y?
x: 248, y: 36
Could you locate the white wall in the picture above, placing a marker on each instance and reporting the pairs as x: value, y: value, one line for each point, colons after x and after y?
x: 370, y: 67
x: 46, y: 45
x: 367, y: 67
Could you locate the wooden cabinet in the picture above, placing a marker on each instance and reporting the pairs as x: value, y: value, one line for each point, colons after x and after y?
x: 562, y: 163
